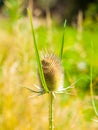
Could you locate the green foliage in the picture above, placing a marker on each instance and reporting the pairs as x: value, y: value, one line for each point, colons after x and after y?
x: 91, y: 17
x: 13, y: 9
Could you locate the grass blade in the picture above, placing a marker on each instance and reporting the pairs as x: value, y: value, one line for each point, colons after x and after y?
x: 62, y: 45
x: 37, y: 54
x: 91, y: 85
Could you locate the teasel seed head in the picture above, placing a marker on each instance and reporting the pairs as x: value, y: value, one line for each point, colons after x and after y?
x: 53, y: 72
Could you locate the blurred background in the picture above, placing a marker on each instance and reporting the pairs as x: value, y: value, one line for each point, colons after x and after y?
x: 18, y: 67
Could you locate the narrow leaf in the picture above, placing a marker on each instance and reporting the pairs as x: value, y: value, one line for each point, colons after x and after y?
x: 37, y: 54
x: 62, y: 45
x: 91, y: 85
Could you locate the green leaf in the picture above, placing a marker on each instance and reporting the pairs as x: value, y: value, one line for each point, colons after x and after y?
x: 62, y: 45
x: 37, y: 55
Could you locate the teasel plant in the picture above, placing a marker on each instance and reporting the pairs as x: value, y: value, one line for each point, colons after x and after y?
x: 51, y: 75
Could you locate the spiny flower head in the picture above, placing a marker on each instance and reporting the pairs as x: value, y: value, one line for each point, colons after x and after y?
x: 53, y: 72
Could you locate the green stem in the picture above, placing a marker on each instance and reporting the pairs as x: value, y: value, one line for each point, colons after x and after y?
x: 51, y: 127
x: 91, y: 84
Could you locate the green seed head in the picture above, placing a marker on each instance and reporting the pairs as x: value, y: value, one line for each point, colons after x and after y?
x: 53, y: 72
